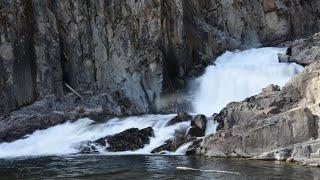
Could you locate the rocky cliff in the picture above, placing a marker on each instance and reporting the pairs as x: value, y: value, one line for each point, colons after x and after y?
x: 122, y: 55
x: 137, y: 49
x: 278, y: 124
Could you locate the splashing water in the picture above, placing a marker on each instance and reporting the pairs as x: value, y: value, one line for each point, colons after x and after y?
x: 235, y: 76
x: 238, y: 75
x: 64, y: 138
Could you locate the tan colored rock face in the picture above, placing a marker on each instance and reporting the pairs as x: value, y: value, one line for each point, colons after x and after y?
x: 262, y: 135
x: 305, y: 51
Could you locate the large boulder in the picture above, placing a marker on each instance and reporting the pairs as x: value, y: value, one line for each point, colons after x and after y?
x: 128, y: 140
x: 199, y: 121
x: 198, y: 126
x: 195, y: 131
x: 175, y: 143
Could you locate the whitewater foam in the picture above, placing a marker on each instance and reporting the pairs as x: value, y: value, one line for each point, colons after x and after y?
x: 238, y: 75
x: 235, y: 76
x: 65, y: 138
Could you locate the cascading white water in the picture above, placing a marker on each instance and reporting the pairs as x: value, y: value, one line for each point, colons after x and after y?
x: 235, y: 76
x: 238, y: 75
x: 64, y: 138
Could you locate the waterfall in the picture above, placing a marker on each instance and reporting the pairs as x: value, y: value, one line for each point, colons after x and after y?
x: 235, y: 76
x: 238, y: 75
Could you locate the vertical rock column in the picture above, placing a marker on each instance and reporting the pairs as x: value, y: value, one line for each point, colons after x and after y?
x: 24, y: 65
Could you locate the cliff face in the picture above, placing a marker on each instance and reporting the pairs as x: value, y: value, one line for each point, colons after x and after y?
x: 135, y: 50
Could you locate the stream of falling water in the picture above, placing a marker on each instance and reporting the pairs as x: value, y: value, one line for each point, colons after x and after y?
x: 235, y: 76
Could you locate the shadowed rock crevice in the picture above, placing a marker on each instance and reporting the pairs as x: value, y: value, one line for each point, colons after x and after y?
x: 24, y: 63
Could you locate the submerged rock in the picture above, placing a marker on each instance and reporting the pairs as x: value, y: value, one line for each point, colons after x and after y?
x: 88, y: 148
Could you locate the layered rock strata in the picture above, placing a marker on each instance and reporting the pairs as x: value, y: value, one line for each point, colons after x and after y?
x: 280, y: 124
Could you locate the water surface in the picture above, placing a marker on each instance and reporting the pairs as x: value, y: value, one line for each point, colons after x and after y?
x: 148, y: 167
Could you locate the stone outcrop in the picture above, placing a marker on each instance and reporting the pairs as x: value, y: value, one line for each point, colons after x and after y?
x: 128, y: 140
x: 277, y: 124
x: 307, y: 153
x: 192, y: 134
x: 303, y: 51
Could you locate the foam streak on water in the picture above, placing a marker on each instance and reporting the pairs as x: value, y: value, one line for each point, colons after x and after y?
x: 238, y: 75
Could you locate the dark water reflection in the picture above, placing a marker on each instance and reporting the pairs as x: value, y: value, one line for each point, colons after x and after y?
x: 147, y: 167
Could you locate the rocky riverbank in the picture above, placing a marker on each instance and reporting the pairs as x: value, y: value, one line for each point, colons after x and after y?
x: 279, y: 123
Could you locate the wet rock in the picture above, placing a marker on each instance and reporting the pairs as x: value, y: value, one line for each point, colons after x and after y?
x: 301, y: 152
x: 198, y: 126
x: 195, y: 131
x: 17, y: 126
x: 306, y: 153
x: 283, y: 154
x: 87, y: 148
x: 199, y: 121
x: 181, y: 117
x: 171, y: 145
x: 193, y: 148
x: 283, y: 58
x: 128, y: 140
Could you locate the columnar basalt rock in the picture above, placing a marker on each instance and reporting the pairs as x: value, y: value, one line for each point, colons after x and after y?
x: 134, y: 50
